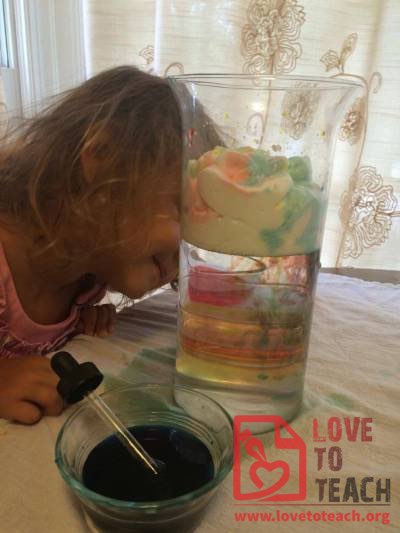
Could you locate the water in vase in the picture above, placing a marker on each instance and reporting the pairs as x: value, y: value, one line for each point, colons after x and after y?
x: 244, y: 326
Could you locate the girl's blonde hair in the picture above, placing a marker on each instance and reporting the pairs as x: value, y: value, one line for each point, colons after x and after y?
x: 125, y: 119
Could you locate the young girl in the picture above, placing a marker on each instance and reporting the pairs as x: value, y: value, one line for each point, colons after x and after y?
x: 88, y: 200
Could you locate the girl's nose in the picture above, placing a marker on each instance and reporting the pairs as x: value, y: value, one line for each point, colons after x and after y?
x: 176, y: 236
x: 168, y: 263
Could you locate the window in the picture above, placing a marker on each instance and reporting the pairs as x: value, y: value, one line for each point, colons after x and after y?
x: 42, y: 51
x: 4, y: 55
x: 10, y: 84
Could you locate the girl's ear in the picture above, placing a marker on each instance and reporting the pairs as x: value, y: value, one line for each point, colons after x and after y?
x: 94, y: 152
x: 89, y: 165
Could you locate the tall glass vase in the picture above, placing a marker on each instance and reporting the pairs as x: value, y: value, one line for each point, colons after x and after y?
x: 258, y: 156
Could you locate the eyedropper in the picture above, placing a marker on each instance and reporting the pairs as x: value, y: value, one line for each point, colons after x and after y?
x: 78, y: 381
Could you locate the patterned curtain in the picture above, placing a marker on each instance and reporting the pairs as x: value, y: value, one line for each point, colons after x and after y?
x: 337, y: 38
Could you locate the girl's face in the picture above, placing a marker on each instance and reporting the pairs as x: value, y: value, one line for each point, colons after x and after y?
x: 147, y: 256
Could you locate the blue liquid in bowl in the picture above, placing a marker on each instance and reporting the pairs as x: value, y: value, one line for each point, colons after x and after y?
x: 111, y: 471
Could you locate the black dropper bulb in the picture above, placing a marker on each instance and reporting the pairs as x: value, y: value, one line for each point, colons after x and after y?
x: 76, y: 379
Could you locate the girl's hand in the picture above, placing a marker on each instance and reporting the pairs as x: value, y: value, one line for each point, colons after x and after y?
x: 97, y: 320
x: 28, y: 389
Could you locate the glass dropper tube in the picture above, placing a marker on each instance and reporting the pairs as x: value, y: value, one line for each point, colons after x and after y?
x: 78, y: 381
x: 121, y: 431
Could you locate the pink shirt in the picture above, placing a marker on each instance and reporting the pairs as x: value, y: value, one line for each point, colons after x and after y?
x: 19, y: 335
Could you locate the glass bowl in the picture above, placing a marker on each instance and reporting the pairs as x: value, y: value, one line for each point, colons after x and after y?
x: 138, y: 405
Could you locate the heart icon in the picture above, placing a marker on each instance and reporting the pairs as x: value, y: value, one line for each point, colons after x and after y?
x: 255, y: 449
x: 269, y: 467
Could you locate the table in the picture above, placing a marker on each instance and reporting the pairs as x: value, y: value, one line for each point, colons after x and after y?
x: 353, y: 371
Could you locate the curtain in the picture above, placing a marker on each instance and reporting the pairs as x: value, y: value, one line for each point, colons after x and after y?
x: 346, y: 38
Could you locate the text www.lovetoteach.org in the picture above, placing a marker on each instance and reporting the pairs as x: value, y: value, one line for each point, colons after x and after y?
x: 311, y: 516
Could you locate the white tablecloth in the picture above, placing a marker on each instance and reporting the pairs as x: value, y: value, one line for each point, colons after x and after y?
x: 353, y: 371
